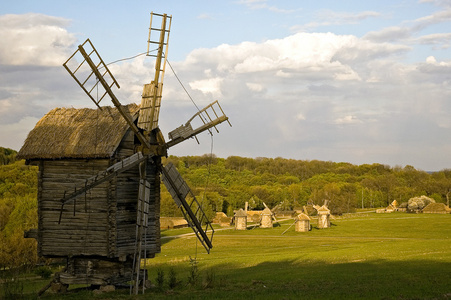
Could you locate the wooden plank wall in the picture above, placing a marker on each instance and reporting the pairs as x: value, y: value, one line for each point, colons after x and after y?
x: 126, y: 190
x: 104, y: 223
x: 84, y: 233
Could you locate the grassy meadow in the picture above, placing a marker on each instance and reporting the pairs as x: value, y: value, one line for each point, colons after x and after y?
x: 362, y: 256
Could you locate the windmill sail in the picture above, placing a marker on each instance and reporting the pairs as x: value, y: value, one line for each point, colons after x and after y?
x: 192, y: 211
x: 151, y: 97
x: 90, y: 57
x: 208, y: 117
x: 150, y: 106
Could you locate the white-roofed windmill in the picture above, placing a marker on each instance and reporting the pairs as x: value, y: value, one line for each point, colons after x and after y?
x: 124, y: 248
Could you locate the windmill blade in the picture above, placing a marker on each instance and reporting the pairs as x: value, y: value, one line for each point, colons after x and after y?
x: 95, y: 63
x: 150, y: 106
x: 179, y: 191
x: 151, y: 97
x: 85, y: 76
x: 208, y: 117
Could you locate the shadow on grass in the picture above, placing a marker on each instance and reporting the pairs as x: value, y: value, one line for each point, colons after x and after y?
x: 380, y: 279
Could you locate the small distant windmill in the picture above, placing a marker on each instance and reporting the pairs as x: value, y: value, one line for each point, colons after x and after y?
x: 117, y: 258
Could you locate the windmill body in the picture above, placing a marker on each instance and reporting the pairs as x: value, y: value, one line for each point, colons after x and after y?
x: 100, y: 172
x: 96, y: 232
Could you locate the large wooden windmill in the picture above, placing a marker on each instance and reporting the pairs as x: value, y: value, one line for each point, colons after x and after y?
x: 99, y: 173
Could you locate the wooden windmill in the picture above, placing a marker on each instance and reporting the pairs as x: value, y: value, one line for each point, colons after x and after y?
x: 117, y: 223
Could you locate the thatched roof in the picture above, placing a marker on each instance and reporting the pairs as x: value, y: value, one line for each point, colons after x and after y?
x: 77, y: 133
x: 436, y: 208
x: 303, y: 216
x: 267, y: 212
x: 240, y: 213
x: 323, y: 210
x: 172, y: 222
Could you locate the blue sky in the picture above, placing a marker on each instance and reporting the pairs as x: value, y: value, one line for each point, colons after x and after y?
x: 354, y: 81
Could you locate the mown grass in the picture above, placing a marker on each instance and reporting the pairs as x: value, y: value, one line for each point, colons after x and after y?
x: 366, y: 256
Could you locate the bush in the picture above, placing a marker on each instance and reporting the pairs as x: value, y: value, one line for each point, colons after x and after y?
x: 44, y: 272
x: 418, y: 203
x: 173, y: 282
x: 160, y: 279
x: 193, y: 277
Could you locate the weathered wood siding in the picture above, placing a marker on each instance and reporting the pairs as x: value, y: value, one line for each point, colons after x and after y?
x: 302, y: 226
x: 126, y: 194
x: 323, y: 220
x: 102, y: 222
x: 84, y: 228
x: 241, y: 223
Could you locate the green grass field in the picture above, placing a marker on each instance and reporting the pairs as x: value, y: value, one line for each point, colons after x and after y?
x: 366, y: 256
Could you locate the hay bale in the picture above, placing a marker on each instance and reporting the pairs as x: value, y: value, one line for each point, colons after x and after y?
x: 436, y: 208
x: 172, y: 222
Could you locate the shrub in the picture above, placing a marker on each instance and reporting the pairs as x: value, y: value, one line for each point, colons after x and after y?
x: 418, y: 203
x: 193, y: 277
x: 44, y: 272
x: 160, y: 279
x: 173, y: 282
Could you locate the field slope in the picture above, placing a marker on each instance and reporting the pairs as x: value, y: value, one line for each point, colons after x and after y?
x: 371, y: 256
x: 362, y: 256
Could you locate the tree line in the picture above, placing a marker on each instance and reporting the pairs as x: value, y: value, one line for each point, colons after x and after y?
x: 226, y: 184
x: 18, y: 210
x: 7, y: 156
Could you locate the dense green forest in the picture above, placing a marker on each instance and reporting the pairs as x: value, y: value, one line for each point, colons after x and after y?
x: 18, y: 210
x: 7, y: 156
x: 225, y: 184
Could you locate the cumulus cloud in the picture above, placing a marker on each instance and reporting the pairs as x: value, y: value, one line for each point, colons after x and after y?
x: 298, y: 96
x: 408, y: 29
x: 442, y: 40
x: 205, y: 17
x: 32, y: 79
x: 303, y: 92
x: 34, y: 39
x: 207, y: 86
x: 348, y: 120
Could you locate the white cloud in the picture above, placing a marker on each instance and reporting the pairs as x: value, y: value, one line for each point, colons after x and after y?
x: 204, y: 17
x: 208, y: 86
x: 443, y: 40
x: 348, y: 120
x: 292, y: 97
x: 408, y: 29
x: 34, y: 39
x: 263, y: 4
x: 300, y: 117
x: 328, y: 18
x: 255, y: 87
x: 12, y: 135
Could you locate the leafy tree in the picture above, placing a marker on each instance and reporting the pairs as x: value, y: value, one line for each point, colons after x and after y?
x: 7, y: 156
